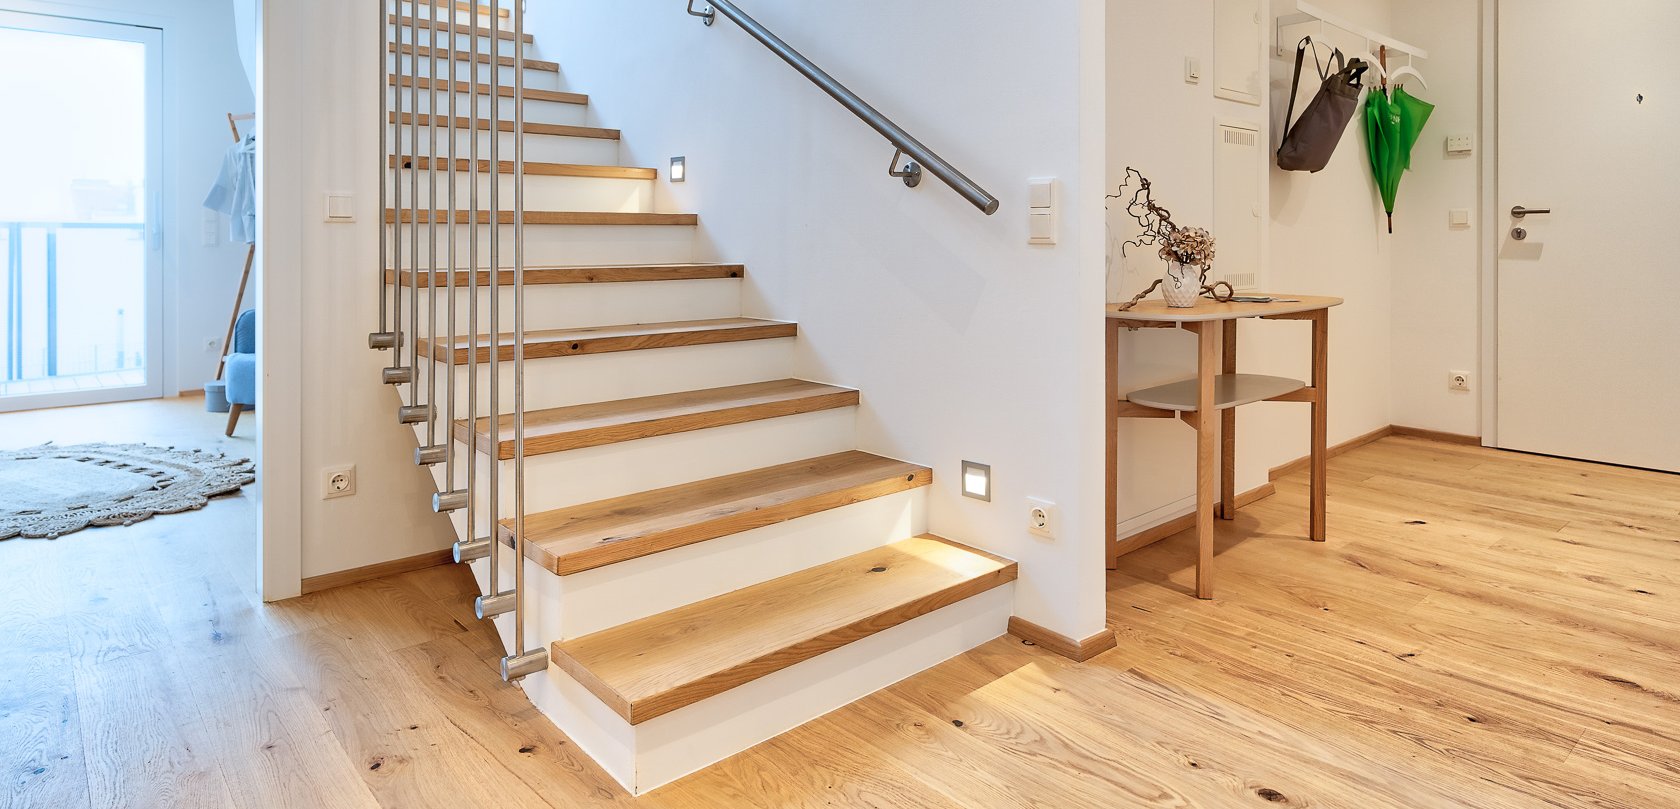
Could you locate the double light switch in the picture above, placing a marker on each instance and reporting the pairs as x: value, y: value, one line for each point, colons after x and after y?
x: 1041, y: 211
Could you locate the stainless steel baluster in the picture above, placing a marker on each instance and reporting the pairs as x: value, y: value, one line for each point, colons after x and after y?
x: 415, y: 411
x: 384, y: 338
x: 432, y: 452
x: 496, y: 602
x: 452, y: 497
x: 522, y: 662
x: 474, y: 547
x: 390, y: 168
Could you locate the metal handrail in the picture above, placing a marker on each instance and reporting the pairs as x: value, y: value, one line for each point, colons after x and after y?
x: 895, y: 134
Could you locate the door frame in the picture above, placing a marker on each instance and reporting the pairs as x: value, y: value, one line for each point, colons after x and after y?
x: 156, y: 205
x: 1488, y: 249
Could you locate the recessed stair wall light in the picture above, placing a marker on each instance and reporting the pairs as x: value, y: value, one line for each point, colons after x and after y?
x: 977, y: 480
x: 679, y: 169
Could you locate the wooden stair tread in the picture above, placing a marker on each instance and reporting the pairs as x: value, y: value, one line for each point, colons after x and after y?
x: 584, y: 537
x: 502, y: 90
x: 443, y: 26
x: 544, y: 343
x: 535, y: 276
x: 599, y: 423
x: 446, y: 54
x: 653, y: 666
x: 408, y: 216
x: 532, y: 168
x: 531, y: 128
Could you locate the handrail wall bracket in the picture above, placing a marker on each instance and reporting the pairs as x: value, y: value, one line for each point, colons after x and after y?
x: 911, y: 173
x: 709, y: 15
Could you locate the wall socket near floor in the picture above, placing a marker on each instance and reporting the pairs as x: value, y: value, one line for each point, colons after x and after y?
x: 1041, y: 518
x: 1458, y: 380
x: 338, y: 481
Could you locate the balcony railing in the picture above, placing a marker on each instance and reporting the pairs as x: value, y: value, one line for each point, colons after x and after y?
x: 74, y: 298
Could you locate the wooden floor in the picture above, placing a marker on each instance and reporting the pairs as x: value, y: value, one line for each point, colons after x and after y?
x: 1483, y: 629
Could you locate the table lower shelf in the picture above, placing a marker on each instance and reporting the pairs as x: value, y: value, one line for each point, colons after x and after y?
x: 1229, y: 390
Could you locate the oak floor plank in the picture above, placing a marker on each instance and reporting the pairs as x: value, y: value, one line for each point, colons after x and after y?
x: 408, y: 751
x: 142, y: 735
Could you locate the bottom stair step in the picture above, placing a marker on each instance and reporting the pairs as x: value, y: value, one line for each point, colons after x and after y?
x: 656, y: 665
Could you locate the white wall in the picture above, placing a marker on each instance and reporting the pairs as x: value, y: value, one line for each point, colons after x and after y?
x: 1435, y: 291
x: 245, y: 33
x: 1325, y: 239
x: 202, y: 83
x: 966, y: 342
x: 322, y: 401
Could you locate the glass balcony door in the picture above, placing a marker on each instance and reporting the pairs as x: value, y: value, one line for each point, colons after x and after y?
x: 80, y: 236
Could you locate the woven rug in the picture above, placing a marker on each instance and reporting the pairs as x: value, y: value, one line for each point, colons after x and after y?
x: 49, y: 491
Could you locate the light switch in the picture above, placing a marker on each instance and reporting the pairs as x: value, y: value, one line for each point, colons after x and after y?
x: 1041, y: 227
x: 1041, y: 210
x: 1192, y: 70
x: 1458, y: 217
x: 341, y: 208
x: 1041, y: 193
x: 1461, y: 144
x: 212, y: 233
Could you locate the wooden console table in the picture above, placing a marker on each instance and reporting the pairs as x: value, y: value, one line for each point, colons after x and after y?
x: 1218, y: 390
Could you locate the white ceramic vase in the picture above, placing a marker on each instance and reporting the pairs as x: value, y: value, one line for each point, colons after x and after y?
x: 1182, y: 286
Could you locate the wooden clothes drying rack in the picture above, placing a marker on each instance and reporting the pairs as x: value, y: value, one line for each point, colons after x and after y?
x: 244, y: 275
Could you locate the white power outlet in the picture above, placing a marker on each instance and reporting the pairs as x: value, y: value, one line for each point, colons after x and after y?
x: 1458, y: 380
x: 1042, y: 518
x: 338, y: 481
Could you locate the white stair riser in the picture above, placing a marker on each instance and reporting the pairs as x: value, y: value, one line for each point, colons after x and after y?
x: 439, y: 10
x: 647, y: 756
x: 558, y: 244
x: 555, y: 306
x: 534, y: 79
x: 565, y: 381
x: 543, y: 192
x: 401, y: 140
x: 536, y: 110
x: 463, y: 39
x: 561, y: 479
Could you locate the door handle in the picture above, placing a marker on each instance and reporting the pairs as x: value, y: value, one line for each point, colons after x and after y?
x: 1519, y: 211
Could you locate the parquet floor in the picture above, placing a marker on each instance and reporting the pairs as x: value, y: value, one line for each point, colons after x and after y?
x: 1483, y: 630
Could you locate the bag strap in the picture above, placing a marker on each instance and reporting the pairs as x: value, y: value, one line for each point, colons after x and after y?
x: 1295, y: 83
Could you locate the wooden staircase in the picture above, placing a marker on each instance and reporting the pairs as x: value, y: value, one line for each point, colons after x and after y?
x: 710, y: 558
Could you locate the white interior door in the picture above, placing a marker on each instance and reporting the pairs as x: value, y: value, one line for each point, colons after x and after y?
x: 80, y: 227
x: 1589, y: 336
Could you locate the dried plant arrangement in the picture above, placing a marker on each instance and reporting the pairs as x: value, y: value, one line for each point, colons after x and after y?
x: 1190, y: 246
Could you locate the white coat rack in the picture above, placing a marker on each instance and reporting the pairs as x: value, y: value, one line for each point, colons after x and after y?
x: 1306, y: 12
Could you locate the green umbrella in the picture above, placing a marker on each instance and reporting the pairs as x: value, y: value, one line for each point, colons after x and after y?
x: 1392, y: 127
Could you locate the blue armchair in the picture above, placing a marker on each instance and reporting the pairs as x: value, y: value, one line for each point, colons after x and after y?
x: 242, y: 368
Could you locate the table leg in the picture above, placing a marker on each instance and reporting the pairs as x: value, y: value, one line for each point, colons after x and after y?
x: 1111, y: 457
x: 1320, y: 423
x: 1228, y: 429
x: 1206, y: 418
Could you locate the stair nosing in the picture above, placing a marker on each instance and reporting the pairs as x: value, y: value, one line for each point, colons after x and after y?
x: 717, y: 518
x: 676, y: 334
x: 409, y: 216
x: 815, y: 398
x: 531, y: 127
x: 535, y: 168
x: 457, y: 55
x: 736, y: 673
x: 542, y: 276
x: 501, y: 90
